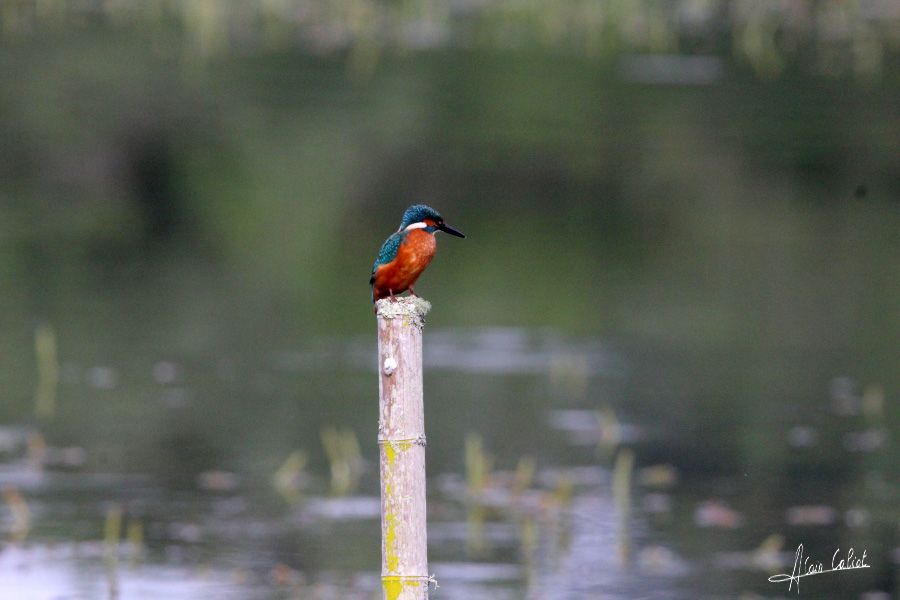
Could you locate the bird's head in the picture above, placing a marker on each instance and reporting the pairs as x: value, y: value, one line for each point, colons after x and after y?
x: 419, y: 216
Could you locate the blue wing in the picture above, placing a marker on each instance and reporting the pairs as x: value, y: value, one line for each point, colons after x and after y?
x: 388, y: 252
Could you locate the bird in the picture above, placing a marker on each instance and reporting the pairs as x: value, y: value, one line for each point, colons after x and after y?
x: 406, y: 253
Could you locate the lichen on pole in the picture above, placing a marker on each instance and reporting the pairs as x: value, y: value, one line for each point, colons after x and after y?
x: 401, y: 437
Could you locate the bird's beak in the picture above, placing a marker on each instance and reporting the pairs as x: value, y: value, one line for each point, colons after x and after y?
x: 450, y: 230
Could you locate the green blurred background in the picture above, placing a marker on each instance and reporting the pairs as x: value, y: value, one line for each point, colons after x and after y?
x: 683, y: 223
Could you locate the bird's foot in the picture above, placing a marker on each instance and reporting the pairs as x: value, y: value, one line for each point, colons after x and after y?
x: 412, y: 292
x: 393, y: 297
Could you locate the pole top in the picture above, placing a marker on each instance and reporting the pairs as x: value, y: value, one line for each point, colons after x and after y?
x: 408, y: 307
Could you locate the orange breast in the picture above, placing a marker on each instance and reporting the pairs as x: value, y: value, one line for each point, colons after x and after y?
x: 414, y: 254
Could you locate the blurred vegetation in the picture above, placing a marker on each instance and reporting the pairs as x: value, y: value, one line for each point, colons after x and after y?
x: 832, y: 37
x: 245, y: 127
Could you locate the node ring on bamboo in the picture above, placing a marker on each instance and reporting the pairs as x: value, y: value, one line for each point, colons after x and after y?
x: 416, y: 441
x: 428, y: 579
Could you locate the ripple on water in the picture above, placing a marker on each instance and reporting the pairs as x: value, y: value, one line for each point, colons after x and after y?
x: 36, y: 573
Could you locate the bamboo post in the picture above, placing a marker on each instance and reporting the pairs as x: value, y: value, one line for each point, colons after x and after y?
x: 401, y: 437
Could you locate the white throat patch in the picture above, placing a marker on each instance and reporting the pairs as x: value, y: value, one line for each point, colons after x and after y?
x: 419, y: 225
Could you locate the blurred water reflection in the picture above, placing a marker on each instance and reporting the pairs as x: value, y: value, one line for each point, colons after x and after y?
x: 235, y: 537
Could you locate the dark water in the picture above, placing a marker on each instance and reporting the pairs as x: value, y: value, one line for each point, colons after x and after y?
x: 689, y: 262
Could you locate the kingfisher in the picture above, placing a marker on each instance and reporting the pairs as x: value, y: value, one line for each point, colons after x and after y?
x: 405, y: 254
